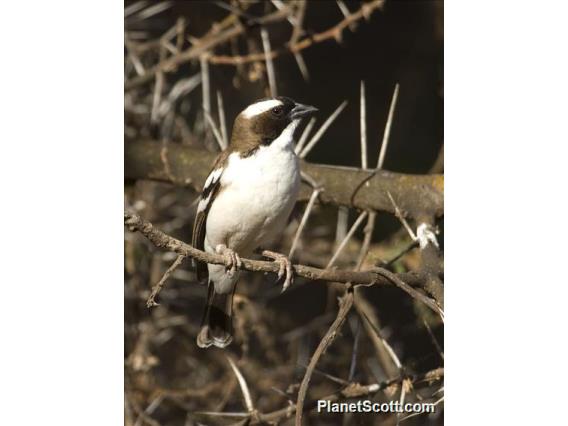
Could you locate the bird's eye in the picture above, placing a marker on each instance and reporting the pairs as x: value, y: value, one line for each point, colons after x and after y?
x: 277, y: 111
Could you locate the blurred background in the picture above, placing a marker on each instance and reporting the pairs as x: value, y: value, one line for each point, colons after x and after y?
x: 168, y: 379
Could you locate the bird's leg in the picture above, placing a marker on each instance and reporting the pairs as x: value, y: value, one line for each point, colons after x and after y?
x: 231, y: 256
x: 285, y: 267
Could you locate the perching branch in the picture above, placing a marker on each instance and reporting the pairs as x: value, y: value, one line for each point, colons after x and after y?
x: 162, y: 240
x: 343, y: 186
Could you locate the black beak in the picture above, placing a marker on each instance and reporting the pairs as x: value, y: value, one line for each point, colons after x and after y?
x: 301, y: 111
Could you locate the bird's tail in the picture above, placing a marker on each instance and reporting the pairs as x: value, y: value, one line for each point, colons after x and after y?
x: 216, y: 325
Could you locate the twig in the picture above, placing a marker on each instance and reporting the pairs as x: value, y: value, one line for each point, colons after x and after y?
x: 149, y: 410
x: 322, y: 130
x: 434, y: 340
x: 353, y: 390
x: 200, y: 46
x: 136, y: 62
x: 135, y: 7
x: 298, y: 31
x: 411, y: 291
x: 333, y: 33
x: 345, y: 304
x: 281, y: 6
x: 182, y: 88
x: 411, y: 246
x: 154, y: 10
x: 158, y: 287
x: 388, y: 125
x: 269, y: 63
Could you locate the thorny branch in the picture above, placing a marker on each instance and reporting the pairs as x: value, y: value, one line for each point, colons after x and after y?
x: 353, y: 390
x: 343, y: 186
x: 215, y: 38
x: 345, y: 304
x: 373, y: 277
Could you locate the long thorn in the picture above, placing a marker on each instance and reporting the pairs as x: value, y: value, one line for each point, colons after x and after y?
x: 386, y: 134
x: 346, y: 239
x: 305, y: 135
x: 243, y: 385
x: 363, y: 125
x: 322, y: 130
x: 222, y: 122
x: 303, y: 222
x: 269, y: 63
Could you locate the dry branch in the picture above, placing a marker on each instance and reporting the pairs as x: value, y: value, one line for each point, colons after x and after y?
x: 162, y: 240
x: 343, y: 186
x: 333, y: 33
x: 345, y: 304
x: 209, y: 41
x: 353, y: 390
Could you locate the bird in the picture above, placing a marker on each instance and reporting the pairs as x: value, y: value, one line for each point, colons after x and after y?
x: 245, y: 203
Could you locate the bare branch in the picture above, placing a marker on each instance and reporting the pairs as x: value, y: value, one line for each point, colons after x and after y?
x: 217, y: 35
x: 164, y: 241
x: 158, y: 287
x: 416, y: 195
x: 345, y: 304
x: 333, y: 33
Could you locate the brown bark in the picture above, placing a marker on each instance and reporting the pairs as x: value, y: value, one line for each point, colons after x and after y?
x: 342, y: 186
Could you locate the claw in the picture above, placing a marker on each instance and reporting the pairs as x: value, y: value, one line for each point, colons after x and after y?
x: 233, y: 259
x: 285, y: 268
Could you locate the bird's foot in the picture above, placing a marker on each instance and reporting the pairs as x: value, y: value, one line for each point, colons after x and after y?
x: 285, y: 267
x: 233, y: 260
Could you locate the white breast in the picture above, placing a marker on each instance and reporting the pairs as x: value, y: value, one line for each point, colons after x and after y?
x: 257, y: 196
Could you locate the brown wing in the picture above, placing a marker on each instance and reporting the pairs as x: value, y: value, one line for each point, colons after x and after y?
x: 210, y: 191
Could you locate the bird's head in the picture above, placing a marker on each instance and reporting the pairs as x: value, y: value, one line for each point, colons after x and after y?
x: 266, y: 120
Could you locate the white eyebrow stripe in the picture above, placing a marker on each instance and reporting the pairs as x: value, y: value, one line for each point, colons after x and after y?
x: 260, y: 107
